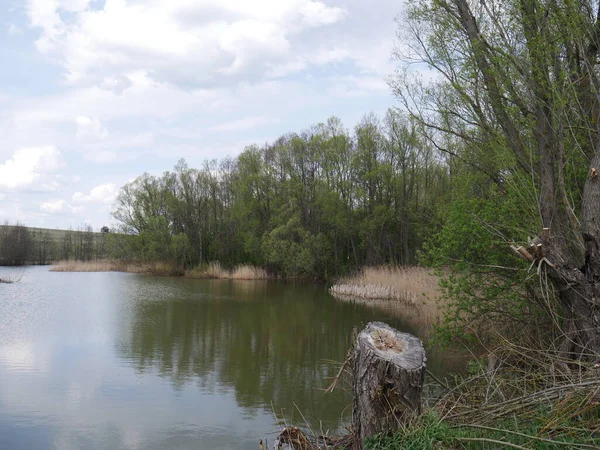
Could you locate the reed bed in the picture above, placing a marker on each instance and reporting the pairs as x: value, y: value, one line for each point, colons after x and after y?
x: 410, y: 285
x: 215, y: 271
x: 109, y: 265
x: 88, y: 266
x: 10, y: 280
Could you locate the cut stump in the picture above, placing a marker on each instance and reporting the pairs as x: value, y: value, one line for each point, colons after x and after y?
x: 389, y: 370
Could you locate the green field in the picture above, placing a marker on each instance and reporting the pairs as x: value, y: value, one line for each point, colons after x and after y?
x: 32, y: 245
x: 55, y: 233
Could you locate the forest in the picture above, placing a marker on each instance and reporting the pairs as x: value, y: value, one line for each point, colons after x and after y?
x: 314, y: 204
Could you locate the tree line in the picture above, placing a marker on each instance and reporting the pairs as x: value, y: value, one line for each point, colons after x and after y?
x: 21, y: 245
x: 314, y: 204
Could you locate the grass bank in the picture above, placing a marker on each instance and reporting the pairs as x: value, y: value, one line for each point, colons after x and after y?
x: 517, y: 396
x: 208, y: 271
x: 433, y: 432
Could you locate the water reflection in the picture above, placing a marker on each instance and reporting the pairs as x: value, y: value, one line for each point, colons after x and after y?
x: 272, y: 344
x: 111, y: 360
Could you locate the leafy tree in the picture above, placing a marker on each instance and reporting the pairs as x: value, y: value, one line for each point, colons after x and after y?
x: 515, y: 99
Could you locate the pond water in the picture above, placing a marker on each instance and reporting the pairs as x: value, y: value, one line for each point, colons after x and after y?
x: 114, y: 360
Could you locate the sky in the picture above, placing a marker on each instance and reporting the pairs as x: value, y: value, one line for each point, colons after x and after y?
x: 93, y: 93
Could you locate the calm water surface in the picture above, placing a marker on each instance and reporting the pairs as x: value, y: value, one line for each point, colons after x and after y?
x: 124, y: 361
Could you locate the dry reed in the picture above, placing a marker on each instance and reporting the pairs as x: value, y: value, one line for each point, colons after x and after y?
x: 412, y: 285
x: 109, y: 265
x: 12, y: 279
x: 216, y: 271
x: 88, y: 266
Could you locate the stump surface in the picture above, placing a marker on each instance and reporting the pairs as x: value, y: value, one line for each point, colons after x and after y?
x: 389, y: 370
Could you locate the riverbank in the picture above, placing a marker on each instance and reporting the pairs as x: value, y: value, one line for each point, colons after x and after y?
x: 521, y: 401
x: 213, y: 271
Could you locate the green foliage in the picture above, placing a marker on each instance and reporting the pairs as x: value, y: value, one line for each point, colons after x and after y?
x: 483, y: 282
x: 316, y: 204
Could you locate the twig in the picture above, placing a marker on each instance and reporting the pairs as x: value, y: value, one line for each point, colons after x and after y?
x: 492, y: 441
x: 445, y: 386
x: 529, y: 399
x: 336, y: 379
x: 570, y: 444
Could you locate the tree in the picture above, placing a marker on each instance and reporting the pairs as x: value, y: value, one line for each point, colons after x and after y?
x: 518, y: 94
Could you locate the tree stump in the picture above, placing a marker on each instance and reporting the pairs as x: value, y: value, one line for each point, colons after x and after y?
x: 389, y: 370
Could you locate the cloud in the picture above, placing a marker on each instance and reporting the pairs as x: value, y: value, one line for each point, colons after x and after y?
x: 101, y: 156
x: 14, y: 30
x: 101, y: 194
x: 246, y: 123
x: 187, y: 43
x: 53, y: 206
x: 117, y: 84
x: 90, y: 128
x: 358, y: 86
x: 29, y: 166
x: 59, y: 207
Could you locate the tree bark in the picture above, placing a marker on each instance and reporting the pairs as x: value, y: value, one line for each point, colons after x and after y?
x: 389, y: 369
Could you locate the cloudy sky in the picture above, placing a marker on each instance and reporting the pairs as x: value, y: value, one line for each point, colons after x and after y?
x: 95, y: 92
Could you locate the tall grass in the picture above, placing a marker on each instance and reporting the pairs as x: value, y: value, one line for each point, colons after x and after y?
x: 12, y: 279
x: 216, y: 271
x: 411, y: 285
x: 109, y: 265
x: 524, y: 397
x: 89, y: 266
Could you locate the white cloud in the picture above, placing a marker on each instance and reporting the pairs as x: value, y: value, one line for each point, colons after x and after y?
x: 101, y: 156
x: 101, y: 194
x: 188, y: 42
x: 59, y: 207
x: 358, y: 86
x: 246, y: 123
x: 30, y: 165
x: 14, y: 30
x: 90, y: 128
x: 117, y: 84
x: 53, y: 206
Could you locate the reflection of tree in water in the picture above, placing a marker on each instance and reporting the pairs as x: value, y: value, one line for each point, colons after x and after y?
x: 270, y: 342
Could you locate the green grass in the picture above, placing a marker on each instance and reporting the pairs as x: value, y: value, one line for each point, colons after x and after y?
x: 432, y: 433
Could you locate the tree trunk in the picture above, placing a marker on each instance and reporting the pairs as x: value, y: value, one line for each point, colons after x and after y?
x: 389, y: 369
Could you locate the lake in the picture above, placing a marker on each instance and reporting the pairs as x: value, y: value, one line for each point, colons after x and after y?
x: 126, y: 361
